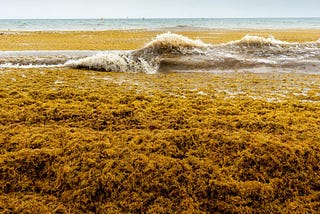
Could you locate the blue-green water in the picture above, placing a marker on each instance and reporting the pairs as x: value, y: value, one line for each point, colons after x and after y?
x: 108, y: 24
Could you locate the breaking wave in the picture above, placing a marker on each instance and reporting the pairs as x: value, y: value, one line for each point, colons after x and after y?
x: 147, y: 59
x: 258, y: 41
x: 173, y: 52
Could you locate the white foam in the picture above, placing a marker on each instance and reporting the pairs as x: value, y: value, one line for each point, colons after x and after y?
x: 260, y: 41
x: 176, y: 41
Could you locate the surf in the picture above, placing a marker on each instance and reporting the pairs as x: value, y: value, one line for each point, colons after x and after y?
x: 173, y: 52
x: 146, y: 60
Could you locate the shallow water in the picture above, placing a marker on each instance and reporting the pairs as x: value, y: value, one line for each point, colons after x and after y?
x: 173, y: 52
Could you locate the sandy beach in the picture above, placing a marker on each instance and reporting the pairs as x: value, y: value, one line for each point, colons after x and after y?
x: 79, y: 140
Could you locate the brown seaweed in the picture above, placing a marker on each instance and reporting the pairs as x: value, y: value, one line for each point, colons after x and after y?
x: 130, y: 143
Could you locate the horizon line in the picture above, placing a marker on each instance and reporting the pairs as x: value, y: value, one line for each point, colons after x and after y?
x: 114, y: 18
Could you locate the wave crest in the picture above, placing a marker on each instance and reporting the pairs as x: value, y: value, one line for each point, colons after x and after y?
x: 172, y: 41
x: 258, y: 41
x: 145, y: 60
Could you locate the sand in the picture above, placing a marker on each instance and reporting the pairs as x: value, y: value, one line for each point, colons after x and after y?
x: 80, y: 141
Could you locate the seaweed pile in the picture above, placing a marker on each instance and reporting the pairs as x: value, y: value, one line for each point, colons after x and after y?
x: 87, y: 142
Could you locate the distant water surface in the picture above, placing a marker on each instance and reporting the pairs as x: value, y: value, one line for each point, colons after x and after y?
x: 121, y: 24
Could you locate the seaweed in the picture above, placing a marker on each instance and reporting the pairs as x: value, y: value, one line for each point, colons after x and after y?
x: 133, y: 39
x: 101, y: 145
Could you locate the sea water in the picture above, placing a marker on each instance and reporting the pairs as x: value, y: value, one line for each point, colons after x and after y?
x: 121, y: 24
x: 174, y: 52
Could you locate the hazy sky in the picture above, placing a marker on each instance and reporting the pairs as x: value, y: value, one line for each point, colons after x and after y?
x: 157, y: 8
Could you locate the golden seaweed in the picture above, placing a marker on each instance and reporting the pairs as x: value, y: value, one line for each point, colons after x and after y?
x: 118, y: 142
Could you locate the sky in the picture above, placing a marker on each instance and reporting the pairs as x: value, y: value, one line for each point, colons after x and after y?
x: 36, y: 9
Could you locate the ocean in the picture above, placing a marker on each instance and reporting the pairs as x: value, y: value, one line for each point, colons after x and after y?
x: 121, y: 24
x: 174, y: 52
